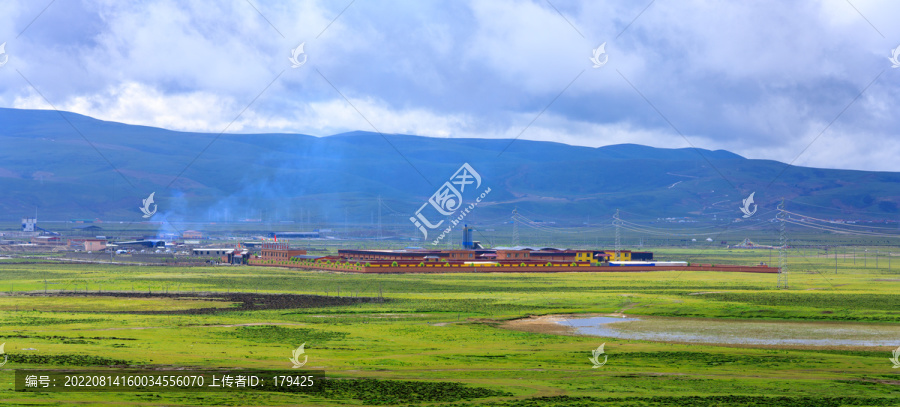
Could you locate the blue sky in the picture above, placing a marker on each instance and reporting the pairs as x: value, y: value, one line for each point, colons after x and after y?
x: 807, y: 82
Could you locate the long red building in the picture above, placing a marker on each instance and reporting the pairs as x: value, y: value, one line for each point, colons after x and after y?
x: 500, y: 260
x: 500, y: 256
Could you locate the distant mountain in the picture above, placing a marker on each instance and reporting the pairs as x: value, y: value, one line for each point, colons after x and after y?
x: 68, y: 166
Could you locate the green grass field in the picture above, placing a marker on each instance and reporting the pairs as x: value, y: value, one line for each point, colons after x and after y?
x: 438, y: 339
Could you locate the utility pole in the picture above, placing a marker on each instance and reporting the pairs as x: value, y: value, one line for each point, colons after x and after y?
x: 617, y: 222
x: 782, y: 270
x: 515, y: 236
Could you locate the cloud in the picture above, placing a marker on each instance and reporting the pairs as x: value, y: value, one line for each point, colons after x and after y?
x: 761, y: 79
x: 135, y: 103
x: 200, y: 111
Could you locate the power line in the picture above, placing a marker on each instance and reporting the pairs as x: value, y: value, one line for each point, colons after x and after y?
x: 515, y: 236
x: 379, y: 217
x: 806, y: 217
x: 540, y: 226
x: 782, y: 270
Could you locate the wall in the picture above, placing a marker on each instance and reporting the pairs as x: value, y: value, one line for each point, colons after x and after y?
x: 446, y: 268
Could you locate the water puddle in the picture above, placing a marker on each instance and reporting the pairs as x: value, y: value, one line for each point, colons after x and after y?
x: 661, y: 329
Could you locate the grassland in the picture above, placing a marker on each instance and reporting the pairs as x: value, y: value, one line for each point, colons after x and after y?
x: 438, y: 340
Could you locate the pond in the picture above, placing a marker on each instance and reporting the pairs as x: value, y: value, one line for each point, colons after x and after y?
x: 717, y: 331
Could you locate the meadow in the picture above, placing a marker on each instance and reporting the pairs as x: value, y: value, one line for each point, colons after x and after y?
x: 441, y: 339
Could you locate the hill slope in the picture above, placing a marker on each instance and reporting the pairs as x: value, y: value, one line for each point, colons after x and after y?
x: 72, y: 166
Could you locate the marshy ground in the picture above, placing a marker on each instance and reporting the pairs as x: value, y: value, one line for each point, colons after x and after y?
x: 443, y: 339
x: 188, y: 303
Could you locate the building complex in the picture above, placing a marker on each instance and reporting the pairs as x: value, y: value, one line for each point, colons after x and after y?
x: 474, y: 258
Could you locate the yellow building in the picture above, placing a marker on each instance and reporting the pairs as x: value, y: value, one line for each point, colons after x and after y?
x: 624, y: 255
x: 586, y: 256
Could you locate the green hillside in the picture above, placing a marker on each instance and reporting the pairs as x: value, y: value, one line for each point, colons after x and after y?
x: 66, y: 165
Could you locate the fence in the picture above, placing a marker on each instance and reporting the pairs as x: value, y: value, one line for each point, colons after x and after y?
x: 440, y: 267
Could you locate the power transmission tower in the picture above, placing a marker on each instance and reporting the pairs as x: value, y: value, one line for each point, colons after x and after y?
x: 617, y: 222
x: 515, y: 236
x: 782, y: 251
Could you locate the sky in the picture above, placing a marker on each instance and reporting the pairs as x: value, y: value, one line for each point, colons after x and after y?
x: 806, y: 82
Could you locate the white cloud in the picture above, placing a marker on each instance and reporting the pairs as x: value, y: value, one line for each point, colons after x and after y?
x: 134, y: 103
x: 759, y: 79
x: 200, y: 111
x: 141, y: 104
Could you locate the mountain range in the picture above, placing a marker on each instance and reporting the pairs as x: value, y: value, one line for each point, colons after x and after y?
x: 64, y: 166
